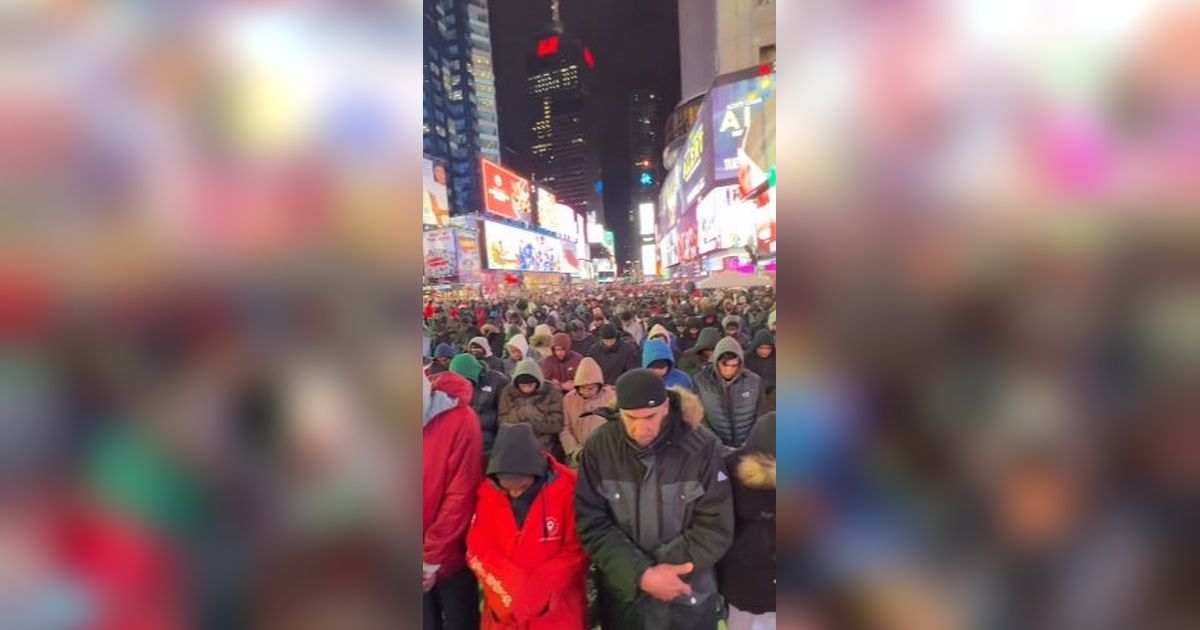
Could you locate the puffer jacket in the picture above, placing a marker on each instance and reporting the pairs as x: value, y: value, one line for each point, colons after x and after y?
x: 543, y: 409
x: 668, y: 503
x: 452, y: 466
x: 765, y: 368
x: 486, y: 403
x: 731, y: 407
x: 747, y: 572
x: 561, y: 371
x: 656, y: 350
x: 577, y: 426
x: 489, y: 360
x: 533, y: 576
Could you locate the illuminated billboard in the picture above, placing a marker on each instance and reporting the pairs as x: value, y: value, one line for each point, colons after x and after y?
x: 695, y: 163
x: 435, y: 201
x: 549, y: 214
x: 668, y: 202
x: 743, y: 128
x: 646, y: 218
x: 441, y: 259
x: 505, y: 194
x: 649, y: 258
x: 511, y: 248
x: 468, y: 256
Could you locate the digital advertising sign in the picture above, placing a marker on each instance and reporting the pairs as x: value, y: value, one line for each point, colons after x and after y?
x: 514, y: 249
x: 435, y: 201
x: 441, y: 259
x: 505, y: 194
x: 743, y: 128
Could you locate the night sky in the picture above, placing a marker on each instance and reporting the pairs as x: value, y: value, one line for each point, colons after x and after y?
x: 636, y: 45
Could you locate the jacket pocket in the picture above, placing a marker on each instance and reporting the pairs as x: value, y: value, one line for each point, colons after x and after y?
x: 678, y: 500
x: 622, y: 501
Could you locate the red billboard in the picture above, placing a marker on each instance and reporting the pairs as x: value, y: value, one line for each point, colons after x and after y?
x: 505, y: 194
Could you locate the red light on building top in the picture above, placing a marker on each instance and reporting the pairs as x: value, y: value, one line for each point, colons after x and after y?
x: 587, y: 58
x: 548, y: 46
x: 765, y: 69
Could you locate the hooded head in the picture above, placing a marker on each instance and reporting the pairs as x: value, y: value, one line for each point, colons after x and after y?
x: 763, y: 338
x: 516, y: 452
x: 659, y: 331
x: 577, y: 329
x: 731, y: 320
x: 561, y: 340
x: 725, y: 347
x: 518, y: 342
x: 467, y: 366
x: 482, y: 344
x: 771, y: 320
x: 656, y: 351
x: 444, y: 351
x: 447, y: 391
x: 588, y: 373
x: 756, y: 468
x: 528, y: 370
x: 543, y: 337
x: 707, y: 340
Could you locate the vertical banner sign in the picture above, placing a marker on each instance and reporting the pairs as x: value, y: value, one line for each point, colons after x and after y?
x: 435, y: 205
x: 468, y: 256
x: 440, y: 260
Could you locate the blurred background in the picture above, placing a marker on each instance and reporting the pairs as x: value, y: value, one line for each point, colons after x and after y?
x: 209, y: 293
x: 207, y: 235
x: 989, y: 212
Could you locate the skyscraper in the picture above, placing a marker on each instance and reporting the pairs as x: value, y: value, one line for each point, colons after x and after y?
x: 459, y: 101
x: 565, y: 156
x: 646, y: 119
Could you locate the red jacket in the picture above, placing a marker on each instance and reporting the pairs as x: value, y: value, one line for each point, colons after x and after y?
x: 532, y: 578
x: 452, y: 465
x: 561, y: 371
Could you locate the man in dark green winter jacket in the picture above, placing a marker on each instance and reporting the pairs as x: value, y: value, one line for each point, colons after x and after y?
x: 654, y: 509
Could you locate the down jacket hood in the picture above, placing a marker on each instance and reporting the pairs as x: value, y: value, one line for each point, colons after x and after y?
x: 482, y: 342
x: 516, y: 452
x: 656, y: 350
x: 518, y: 341
x: 658, y: 330
x: 588, y: 373
x: 530, y: 367
x: 542, y: 337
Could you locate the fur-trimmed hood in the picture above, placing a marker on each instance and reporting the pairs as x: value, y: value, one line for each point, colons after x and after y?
x: 757, y: 470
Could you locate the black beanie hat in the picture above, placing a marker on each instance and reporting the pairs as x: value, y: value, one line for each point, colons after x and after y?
x: 639, y: 389
x: 608, y: 331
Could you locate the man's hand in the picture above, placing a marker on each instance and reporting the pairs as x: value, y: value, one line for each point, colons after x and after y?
x: 662, y: 582
x: 427, y: 581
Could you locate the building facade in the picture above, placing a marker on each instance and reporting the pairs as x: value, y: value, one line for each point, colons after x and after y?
x: 646, y: 119
x: 459, y: 100
x: 565, y: 154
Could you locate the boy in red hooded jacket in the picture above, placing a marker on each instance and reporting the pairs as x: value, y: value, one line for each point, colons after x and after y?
x: 522, y: 543
x: 452, y: 459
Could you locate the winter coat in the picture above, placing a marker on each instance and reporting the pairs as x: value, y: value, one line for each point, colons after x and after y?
x: 656, y: 350
x: 691, y: 363
x: 561, y: 371
x: 452, y: 466
x: 765, y: 368
x: 486, y: 403
x: 543, y: 409
x: 747, y: 572
x: 731, y: 407
x: 533, y: 576
x: 617, y: 361
x: 584, y: 344
x: 625, y: 534
x: 577, y: 426
x: 490, y: 360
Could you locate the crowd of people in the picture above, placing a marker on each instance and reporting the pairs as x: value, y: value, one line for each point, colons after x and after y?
x: 618, y: 442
